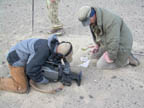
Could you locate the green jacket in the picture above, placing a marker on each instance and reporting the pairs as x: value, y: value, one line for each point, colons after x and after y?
x: 112, y: 35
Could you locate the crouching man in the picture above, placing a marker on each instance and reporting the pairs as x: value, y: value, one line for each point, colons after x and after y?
x: 111, y: 35
x: 26, y: 59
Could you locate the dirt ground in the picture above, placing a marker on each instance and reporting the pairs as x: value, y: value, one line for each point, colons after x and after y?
x: 121, y: 88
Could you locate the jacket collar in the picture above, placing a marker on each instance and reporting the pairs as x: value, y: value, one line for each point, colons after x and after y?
x: 99, y: 19
x: 99, y: 16
x: 53, y: 43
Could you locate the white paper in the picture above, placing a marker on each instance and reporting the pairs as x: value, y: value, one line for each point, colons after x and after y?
x: 84, y: 59
x: 85, y: 64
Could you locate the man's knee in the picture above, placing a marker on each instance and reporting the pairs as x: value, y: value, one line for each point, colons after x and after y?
x: 102, y: 64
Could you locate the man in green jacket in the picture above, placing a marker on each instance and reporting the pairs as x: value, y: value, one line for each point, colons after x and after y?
x: 111, y: 35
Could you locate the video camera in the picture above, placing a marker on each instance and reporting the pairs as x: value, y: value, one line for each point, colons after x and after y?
x: 60, y: 72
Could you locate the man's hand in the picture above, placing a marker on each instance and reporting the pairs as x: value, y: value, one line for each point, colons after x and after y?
x: 44, y: 81
x: 95, y: 49
x: 106, y: 57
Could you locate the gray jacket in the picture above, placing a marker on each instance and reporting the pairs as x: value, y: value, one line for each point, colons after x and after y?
x: 31, y: 54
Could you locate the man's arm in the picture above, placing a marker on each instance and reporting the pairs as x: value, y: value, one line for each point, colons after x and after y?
x: 34, y: 66
x: 113, y: 39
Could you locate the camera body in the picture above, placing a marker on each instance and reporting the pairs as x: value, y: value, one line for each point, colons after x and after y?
x: 60, y: 72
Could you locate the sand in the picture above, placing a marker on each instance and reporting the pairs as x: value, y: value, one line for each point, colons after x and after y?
x: 121, y: 88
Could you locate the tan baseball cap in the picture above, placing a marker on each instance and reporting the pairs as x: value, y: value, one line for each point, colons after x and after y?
x: 84, y: 15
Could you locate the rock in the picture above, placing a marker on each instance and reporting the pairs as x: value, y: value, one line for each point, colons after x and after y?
x: 81, y: 97
x: 132, y: 88
x: 41, y: 31
x: 3, y: 62
x: 67, y: 5
x: 109, y: 85
x: 113, y: 77
x: 121, y: 79
x: 90, y: 96
x: 9, y: 5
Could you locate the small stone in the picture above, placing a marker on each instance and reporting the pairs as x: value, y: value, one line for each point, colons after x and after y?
x: 90, y: 96
x: 122, y: 79
x: 141, y: 52
x: 81, y: 97
x: 95, y: 80
x: 3, y: 62
x: 113, y: 77
x: 141, y: 86
x: 132, y: 88
x: 49, y: 101
x: 109, y: 85
x: 78, y: 100
x: 41, y: 31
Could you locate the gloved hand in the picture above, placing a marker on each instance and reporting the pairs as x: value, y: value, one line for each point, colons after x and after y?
x: 43, y: 81
x: 106, y: 57
x: 52, y: 0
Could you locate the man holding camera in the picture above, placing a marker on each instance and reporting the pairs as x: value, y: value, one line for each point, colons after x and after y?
x: 26, y: 59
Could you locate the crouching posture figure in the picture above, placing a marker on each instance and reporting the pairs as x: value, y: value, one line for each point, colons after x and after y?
x: 26, y: 59
x: 111, y: 35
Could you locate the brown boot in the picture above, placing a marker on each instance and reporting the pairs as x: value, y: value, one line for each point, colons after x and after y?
x: 17, y: 82
x: 133, y: 61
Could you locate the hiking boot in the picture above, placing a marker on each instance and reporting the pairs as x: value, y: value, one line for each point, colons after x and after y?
x: 57, y: 31
x: 133, y: 61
